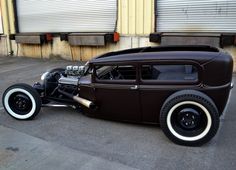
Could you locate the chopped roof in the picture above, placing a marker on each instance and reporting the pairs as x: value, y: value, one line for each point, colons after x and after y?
x: 165, y: 52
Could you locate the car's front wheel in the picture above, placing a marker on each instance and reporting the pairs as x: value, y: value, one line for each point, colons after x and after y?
x: 189, y: 117
x: 21, y: 101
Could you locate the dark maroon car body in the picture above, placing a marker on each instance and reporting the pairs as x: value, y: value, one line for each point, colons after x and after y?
x: 118, y: 100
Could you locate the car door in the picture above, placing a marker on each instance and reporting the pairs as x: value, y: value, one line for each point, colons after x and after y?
x: 158, y: 80
x: 116, y: 91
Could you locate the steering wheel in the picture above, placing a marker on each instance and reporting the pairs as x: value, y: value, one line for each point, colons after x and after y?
x: 115, y: 75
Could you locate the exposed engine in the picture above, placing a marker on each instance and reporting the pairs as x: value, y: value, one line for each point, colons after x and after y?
x: 71, y: 75
x: 58, y: 82
x: 74, y: 70
x: 61, y: 85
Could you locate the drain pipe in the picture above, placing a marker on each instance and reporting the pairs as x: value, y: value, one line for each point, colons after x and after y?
x: 8, y: 31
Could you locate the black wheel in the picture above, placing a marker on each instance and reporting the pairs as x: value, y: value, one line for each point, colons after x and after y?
x: 189, y: 117
x: 21, y: 101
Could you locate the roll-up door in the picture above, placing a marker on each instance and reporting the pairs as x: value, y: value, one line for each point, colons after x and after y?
x: 66, y: 15
x: 196, y: 16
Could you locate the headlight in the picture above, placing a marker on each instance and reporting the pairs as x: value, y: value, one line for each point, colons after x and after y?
x: 44, y: 75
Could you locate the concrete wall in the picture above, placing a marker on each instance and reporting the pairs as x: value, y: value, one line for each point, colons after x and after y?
x: 62, y: 49
x: 136, y: 20
x: 232, y: 51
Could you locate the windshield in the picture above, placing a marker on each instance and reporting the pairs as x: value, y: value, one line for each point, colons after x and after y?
x: 103, y: 69
x: 87, y: 69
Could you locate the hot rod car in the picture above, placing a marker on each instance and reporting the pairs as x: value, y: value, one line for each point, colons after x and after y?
x: 185, y: 89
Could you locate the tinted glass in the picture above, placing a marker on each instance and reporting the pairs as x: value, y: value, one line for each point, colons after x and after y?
x: 169, y: 72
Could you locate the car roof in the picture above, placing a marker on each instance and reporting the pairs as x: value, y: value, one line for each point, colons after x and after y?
x: 199, y: 53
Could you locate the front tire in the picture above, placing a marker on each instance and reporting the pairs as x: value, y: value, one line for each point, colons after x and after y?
x: 189, y: 118
x: 21, y: 101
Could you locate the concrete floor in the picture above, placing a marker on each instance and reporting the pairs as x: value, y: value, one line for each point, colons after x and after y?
x: 66, y: 139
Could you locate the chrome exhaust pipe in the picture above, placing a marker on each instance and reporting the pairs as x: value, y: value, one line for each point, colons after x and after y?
x: 84, y: 102
x: 87, y: 103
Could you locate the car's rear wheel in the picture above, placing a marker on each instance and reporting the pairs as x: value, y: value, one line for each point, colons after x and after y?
x: 21, y: 101
x: 189, y: 117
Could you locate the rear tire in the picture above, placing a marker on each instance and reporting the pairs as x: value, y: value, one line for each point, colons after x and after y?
x: 189, y: 118
x: 21, y: 101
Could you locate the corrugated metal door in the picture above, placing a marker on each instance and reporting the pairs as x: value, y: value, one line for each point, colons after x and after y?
x: 196, y: 16
x: 66, y: 15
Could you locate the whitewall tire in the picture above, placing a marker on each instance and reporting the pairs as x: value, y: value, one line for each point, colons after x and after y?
x: 21, y: 101
x: 189, y: 117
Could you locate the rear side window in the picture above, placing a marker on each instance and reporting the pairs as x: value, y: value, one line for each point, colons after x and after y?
x: 116, y: 72
x: 173, y: 73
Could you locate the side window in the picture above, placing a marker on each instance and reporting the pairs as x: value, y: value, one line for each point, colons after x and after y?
x: 115, y: 72
x: 173, y: 73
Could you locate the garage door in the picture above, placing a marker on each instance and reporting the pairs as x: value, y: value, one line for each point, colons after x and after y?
x: 196, y: 16
x: 66, y: 15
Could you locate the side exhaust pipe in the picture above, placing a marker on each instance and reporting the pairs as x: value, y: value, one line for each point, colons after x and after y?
x: 87, y: 103
x: 84, y: 102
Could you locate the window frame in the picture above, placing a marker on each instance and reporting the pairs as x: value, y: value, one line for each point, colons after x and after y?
x: 96, y: 80
x: 171, y: 82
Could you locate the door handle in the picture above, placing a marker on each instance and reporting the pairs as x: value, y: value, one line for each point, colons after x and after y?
x: 134, y: 87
